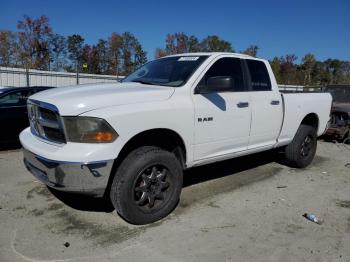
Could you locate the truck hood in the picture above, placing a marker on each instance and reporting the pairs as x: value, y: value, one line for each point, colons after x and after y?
x: 75, y: 100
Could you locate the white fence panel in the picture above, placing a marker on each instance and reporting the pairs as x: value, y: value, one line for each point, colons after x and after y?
x: 291, y: 88
x: 17, y: 77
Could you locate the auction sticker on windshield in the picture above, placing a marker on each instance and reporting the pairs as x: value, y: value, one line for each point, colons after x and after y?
x: 188, y: 58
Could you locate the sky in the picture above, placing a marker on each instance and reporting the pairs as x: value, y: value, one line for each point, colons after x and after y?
x: 276, y: 27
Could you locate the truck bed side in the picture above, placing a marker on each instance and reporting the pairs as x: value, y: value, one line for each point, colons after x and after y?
x: 297, y: 106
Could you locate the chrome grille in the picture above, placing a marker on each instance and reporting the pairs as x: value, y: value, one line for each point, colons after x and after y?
x: 45, y: 121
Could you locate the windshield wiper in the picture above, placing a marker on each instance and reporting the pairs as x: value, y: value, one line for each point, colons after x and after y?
x: 143, y: 82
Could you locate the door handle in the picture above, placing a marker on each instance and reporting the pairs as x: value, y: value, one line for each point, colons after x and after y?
x: 242, y: 104
x: 275, y: 102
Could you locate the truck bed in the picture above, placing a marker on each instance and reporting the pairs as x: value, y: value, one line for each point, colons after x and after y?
x: 296, y: 106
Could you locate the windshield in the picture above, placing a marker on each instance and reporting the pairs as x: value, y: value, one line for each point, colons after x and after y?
x: 339, y: 94
x: 169, y: 71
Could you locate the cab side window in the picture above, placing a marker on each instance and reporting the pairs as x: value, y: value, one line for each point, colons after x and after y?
x: 226, y: 67
x: 260, y: 79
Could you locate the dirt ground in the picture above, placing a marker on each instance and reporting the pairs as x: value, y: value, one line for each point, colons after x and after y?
x: 246, y: 209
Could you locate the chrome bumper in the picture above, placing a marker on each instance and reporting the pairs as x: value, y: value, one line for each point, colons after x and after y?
x: 87, y: 178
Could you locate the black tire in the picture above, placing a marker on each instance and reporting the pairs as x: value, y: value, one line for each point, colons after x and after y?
x: 147, y: 185
x: 301, y: 151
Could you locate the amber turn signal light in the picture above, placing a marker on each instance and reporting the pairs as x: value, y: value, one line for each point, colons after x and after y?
x: 100, y: 137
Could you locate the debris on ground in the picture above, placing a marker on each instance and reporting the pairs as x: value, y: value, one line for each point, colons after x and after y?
x: 313, y: 218
x: 347, y: 165
x: 324, y: 172
x: 281, y: 186
x: 66, y: 244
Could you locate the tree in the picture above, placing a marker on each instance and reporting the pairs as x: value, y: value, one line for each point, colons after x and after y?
x: 140, y: 55
x: 276, y: 68
x: 288, y: 69
x: 308, y: 64
x: 132, y: 53
x: 90, y: 58
x: 251, y: 50
x: 75, y: 48
x: 333, y: 66
x: 103, y: 58
x: 179, y: 43
x: 170, y: 45
x: 160, y: 53
x: 34, y: 42
x: 214, y: 44
x: 8, y: 48
x: 115, y: 42
x: 193, y: 44
x: 345, y: 69
x: 127, y: 48
x: 58, y: 51
x: 35, y: 45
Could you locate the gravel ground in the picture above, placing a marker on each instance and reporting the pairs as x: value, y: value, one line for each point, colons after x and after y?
x: 246, y: 209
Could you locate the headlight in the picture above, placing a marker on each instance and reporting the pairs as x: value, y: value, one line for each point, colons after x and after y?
x: 88, y: 130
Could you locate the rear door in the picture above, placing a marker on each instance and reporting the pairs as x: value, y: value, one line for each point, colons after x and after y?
x: 266, y: 104
x: 222, y: 119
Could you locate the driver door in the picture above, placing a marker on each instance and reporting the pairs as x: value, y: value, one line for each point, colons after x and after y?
x: 222, y: 119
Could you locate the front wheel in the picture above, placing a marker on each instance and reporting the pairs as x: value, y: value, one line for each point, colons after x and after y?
x: 301, y: 151
x: 147, y: 185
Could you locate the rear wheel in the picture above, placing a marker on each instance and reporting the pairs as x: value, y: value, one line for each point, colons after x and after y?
x: 301, y: 151
x: 147, y: 185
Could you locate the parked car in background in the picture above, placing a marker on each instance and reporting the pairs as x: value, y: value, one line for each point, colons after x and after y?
x: 339, y: 125
x: 13, y: 111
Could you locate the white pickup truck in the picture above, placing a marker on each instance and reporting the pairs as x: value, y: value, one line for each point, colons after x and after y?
x: 132, y: 140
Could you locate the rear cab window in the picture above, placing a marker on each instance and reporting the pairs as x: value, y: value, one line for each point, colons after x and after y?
x: 259, y: 76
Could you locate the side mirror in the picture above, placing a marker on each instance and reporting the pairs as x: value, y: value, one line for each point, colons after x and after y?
x: 217, y: 84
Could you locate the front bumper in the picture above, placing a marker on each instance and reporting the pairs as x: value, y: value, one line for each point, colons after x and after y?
x: 88, y: 178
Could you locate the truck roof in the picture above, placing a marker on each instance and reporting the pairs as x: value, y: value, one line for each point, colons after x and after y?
x: 212, y: 54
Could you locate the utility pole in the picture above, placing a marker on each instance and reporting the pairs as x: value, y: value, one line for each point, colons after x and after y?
x: 77, y: 70
x: 27, y: 76
x: 116, y: 66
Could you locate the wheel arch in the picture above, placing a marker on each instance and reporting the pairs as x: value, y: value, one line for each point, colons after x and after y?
x: 311, y: 119
x: 164, y: 138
